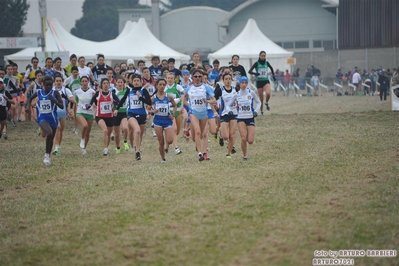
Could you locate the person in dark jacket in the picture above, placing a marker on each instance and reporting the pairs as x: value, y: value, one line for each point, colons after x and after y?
x: 384, y: 85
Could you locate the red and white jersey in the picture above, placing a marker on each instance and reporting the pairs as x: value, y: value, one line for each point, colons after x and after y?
x: 105, y: 105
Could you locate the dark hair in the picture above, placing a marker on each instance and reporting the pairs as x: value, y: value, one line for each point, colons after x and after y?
x: 80, y: 57
x: 155, y: 57
x: 196, y: 70
x: 38, y: 72
x: 144, y: 68
x: 72, y: 57
x: 163, y: 69
x: 33, y: 58
x: 158, y: 80
x: 261, y: 52
x: 227, y: 74
x: 84, y: 77
x: 56, y: 59
x: 164, y: 60
x: 140, y: 61
x: 215, y: 62
x: 58, y: 75
x: 74, y: 68
x: 49, y: 58
x: 122, y: 71
x: 89, y: 63
x: 135, y: 76
x: 109, y: 68
x: 100, y: 55
x: 14, y: 64
x: 47, y: 78
x: 102, y: 81
x: 120, y: 77
x: 181, y: 66
x: 235, y: 56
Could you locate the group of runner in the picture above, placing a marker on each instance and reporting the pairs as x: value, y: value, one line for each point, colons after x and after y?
x: 121, y: 99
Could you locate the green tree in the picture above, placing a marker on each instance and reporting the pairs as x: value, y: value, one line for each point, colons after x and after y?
x: 222, y: 4
x: 100, y: 19
x: 13, y: 15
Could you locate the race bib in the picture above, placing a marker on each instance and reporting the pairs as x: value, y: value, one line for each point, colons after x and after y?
x: 106, y: 107
x: 135, y: 103
x: 197, y: 103
x: 244, y: 107
x: 151, y: 89
x: 45, y: 106
x: 163, y: 109
x: 262, y: 72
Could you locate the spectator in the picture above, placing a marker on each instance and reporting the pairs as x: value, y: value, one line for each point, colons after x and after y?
x: 338, y: 77
x: 356, y: 80
x: 315, y: 84
x: 374, y: 79
x: 384, y: 85
x: 287, y: 81
x: 295, y: 78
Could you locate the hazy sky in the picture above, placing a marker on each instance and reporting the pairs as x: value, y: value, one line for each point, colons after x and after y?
x: 65, y: 11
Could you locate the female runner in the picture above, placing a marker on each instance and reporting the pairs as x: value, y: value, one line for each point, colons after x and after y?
x: 199, y: 95
x: 163, y: 119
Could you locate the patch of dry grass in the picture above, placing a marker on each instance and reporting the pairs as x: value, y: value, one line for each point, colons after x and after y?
x: 322, y: 174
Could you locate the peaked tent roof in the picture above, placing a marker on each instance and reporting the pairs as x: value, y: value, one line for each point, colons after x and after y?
x: 124, y: 46
x: 249, y: 43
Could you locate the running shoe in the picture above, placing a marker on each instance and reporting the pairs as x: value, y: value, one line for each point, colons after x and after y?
x: 166, y: 150
x: 261, y: 112
x: 118, y: 151
x: 200, y: 157
x: 13, y: 123
x: 206, y: 157
x: 138, y: 156
x: 47, y: 160
x: 75, y: 131
x: 267, y: 107
x: 153, y: 133
x: 57, y: 150
x: 82, y: 143
x: 19, y: 119
x: 233, y: 150
x: 84, y: 152
x: 163, y: 161
x: 132, y: 149
x: 126, y: 145
x: 177, y: 150
x: 5, y: 136
x: 106, y: 152
x: 228, y: 156
x: 112, y: 136
x: 221, y: 142
x: 245, y: 159
x: 215, y: 137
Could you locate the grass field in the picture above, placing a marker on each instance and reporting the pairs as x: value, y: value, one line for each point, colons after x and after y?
x: 323, y: 174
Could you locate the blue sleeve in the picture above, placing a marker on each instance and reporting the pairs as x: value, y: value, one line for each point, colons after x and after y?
x: 209, y: 92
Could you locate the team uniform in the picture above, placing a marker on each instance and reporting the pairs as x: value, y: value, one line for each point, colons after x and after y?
x: 176, y: 91
x: 100, y: 72
x: 65, y: 93
x: 151, y: 88
x: 4, y: 104
x: 50, y: 72
x: 11, y: 84
x: 261, y: 73
x: 83, y: 99
x: 245, y: 106
x: 155, y: 71
x: 135, y: 105
x: 196, y: 94
x: 105, y: 106
x: 84, y: 72
x: 161, y: 118
x: 121, y: 111
x: 72, y: 84
x: 46, y: 109
x: 228, y: 105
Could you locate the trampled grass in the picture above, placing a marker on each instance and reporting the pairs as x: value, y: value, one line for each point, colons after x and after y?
x: 322, y: 175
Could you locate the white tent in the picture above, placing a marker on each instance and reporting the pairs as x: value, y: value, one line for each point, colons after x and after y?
x: 135, y: 41
x: 247, y: 45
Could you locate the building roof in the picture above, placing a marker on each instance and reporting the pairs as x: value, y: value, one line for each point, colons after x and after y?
x: 225, y: 21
